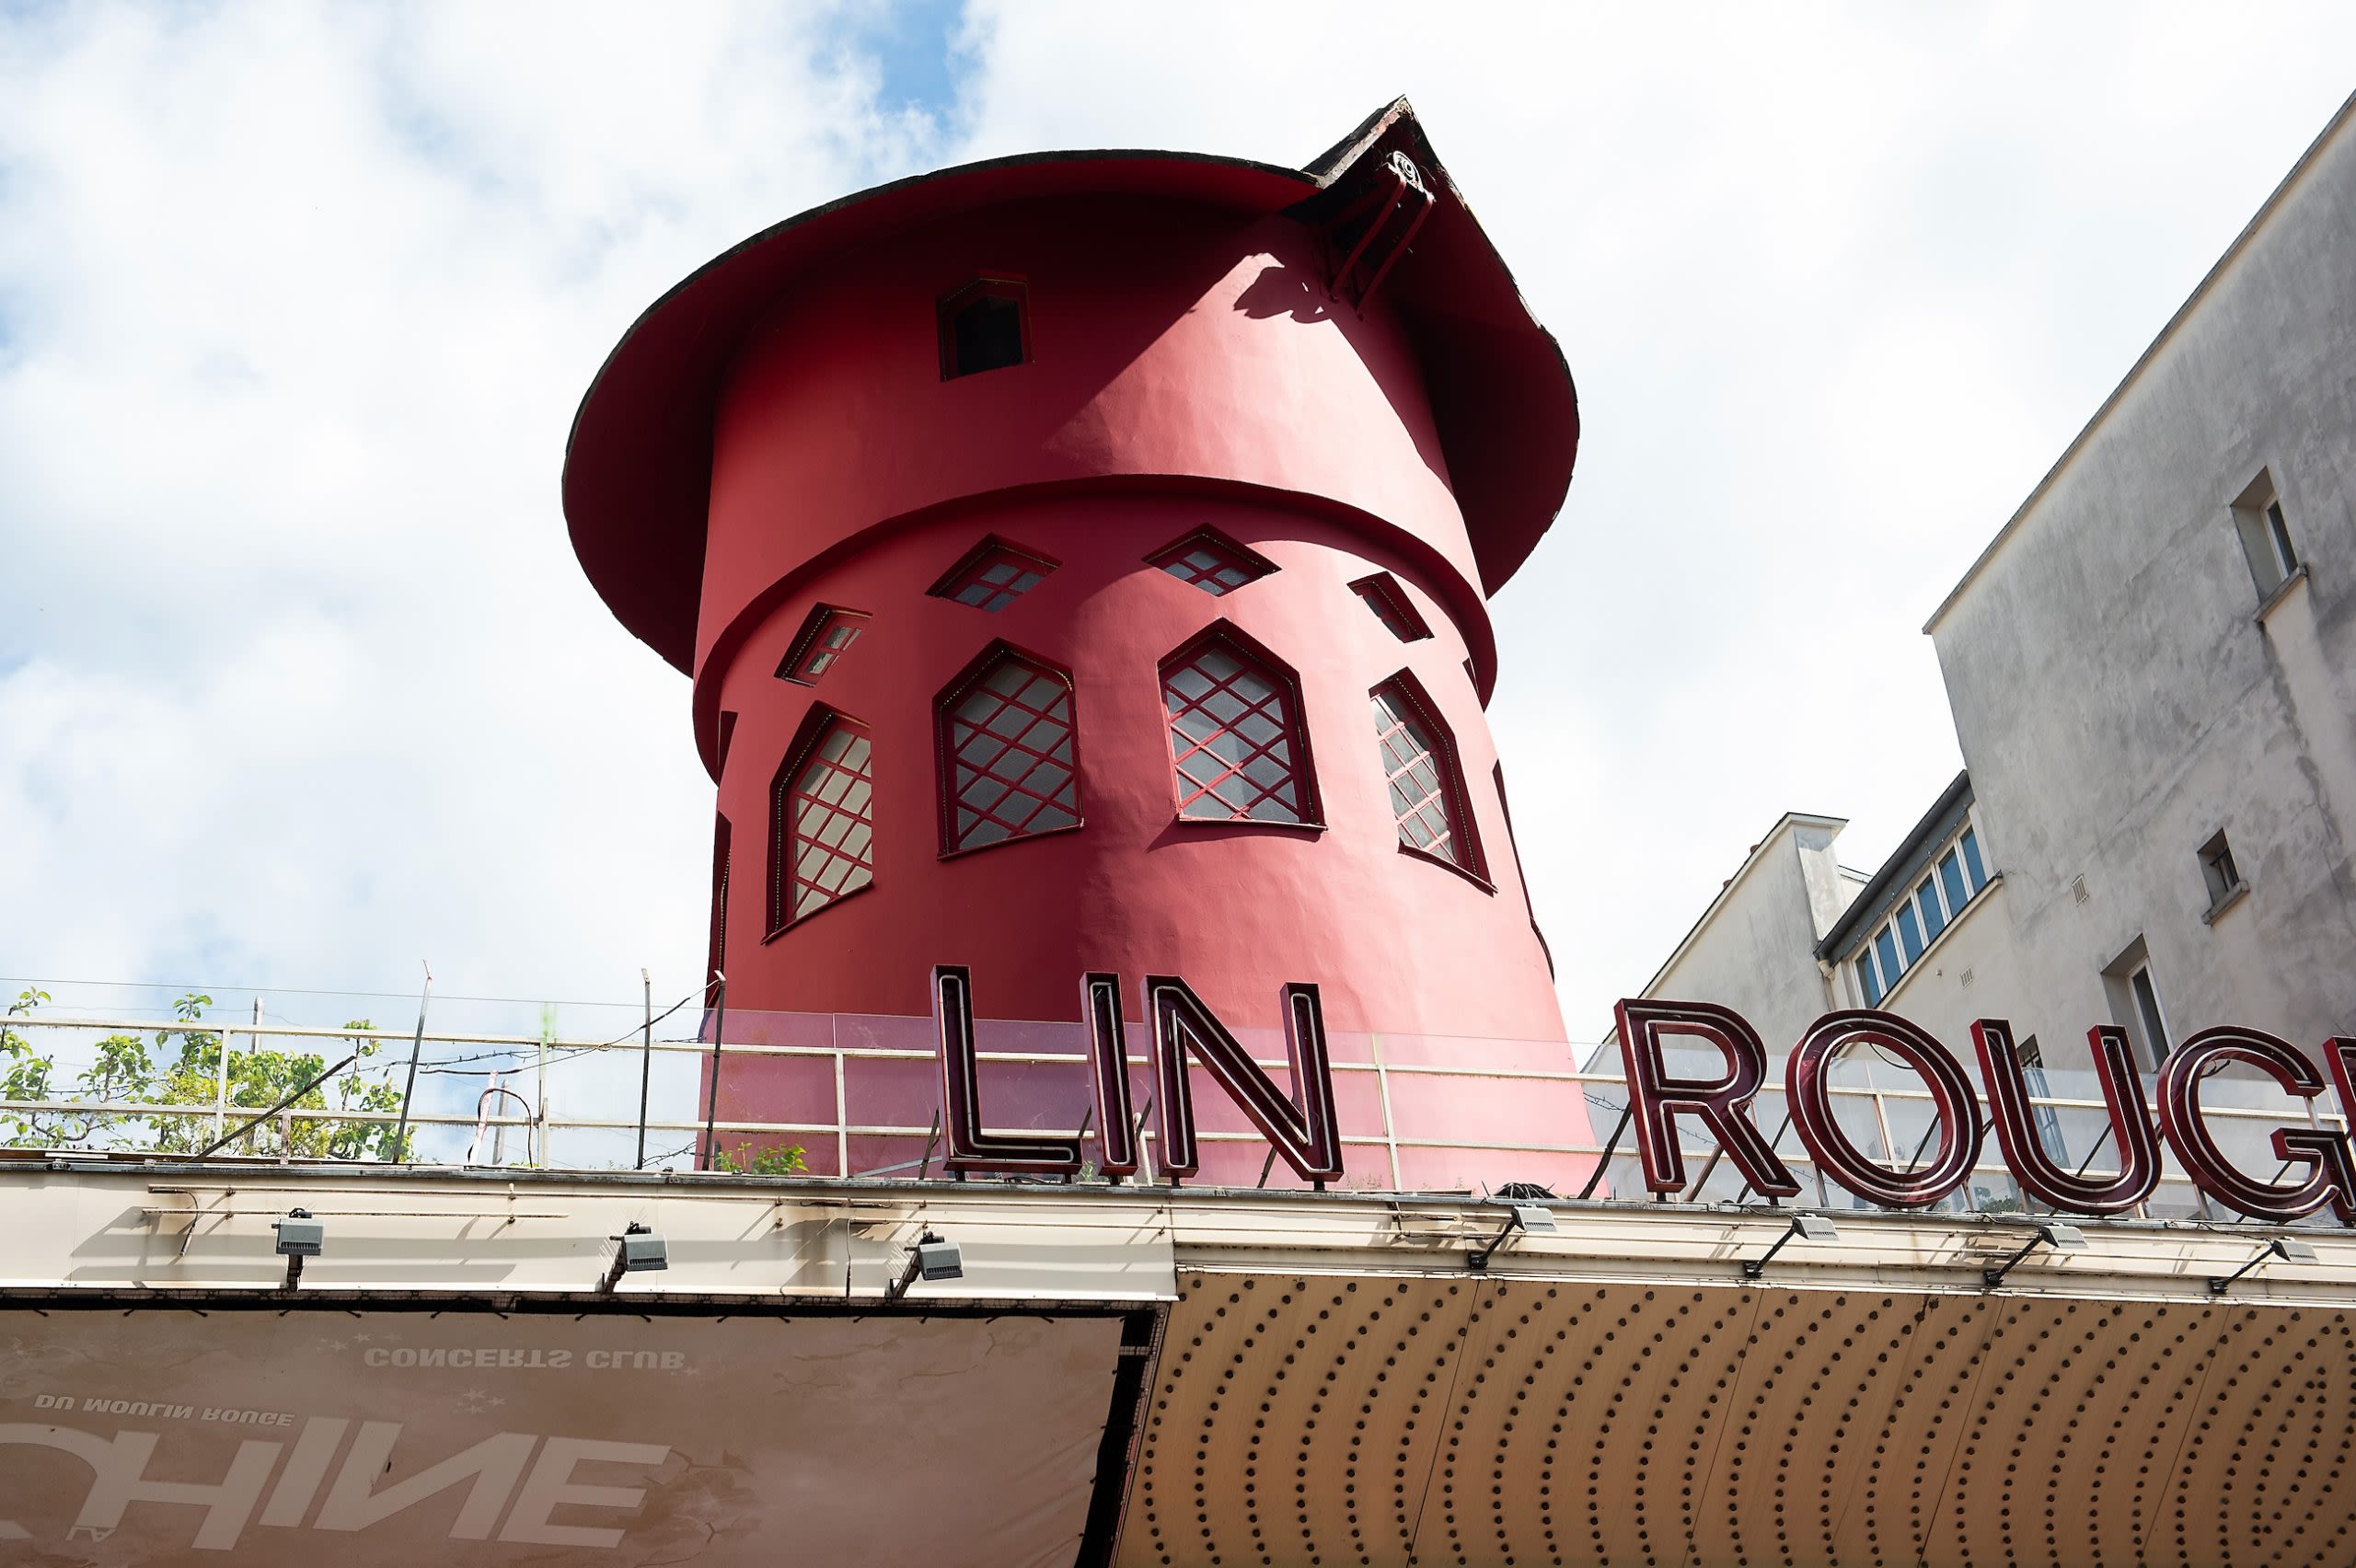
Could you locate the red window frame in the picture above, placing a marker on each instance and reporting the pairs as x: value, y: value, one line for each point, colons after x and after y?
x: 961, y: 766
x: 969, y: 574
x: 1381, y: 593
x: 799, y: 784
x: 1402, y: 708
x: 826, y: 634
x: 1288, y: 723
x: 1231, y: 558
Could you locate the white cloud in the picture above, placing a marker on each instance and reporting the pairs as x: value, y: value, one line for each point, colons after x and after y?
x: 1836, y: 283
x: 298, y: 680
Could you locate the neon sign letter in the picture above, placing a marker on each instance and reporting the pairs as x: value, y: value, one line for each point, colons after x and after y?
x: 2331, y: 1173
x: 1302, y: 1125
x: 1656, y: 1098
x: 1807, y: 1089
x: 2024, y: 1153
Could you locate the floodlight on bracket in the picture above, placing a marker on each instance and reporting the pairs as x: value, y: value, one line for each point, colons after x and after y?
x: 299, y: 1237
x: 2289, y: 1249
x: 930, y: 1257
x: 1804, y: 1227
x: 636, y: 1251
x: 2054, y: 1234
x: 1529, y: 1217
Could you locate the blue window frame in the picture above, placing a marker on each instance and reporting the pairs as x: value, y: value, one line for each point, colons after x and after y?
x: 1909, y: 933
x: 1934, y: 918
x: 1951, y: 882
x: 1912, y: 924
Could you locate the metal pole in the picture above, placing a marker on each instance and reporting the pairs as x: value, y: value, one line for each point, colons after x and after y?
x: 416, y: 1046
x: 220, y: 1080
x: 646, y: 1067
x: 711, y: 1091
x: 243, y: 1127
x: 1603, y: 1162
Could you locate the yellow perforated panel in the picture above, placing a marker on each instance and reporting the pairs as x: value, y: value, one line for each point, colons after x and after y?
x: 1387, y: 1420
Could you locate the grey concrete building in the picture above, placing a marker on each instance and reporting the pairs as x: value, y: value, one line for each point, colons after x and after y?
x: 2151, y: 670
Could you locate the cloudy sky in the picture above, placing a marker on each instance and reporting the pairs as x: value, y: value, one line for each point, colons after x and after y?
x: 299, y: 683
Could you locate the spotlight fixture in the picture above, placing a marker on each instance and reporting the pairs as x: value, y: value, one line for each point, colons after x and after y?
x: 639, y: 1251
x: 1805, y: 1226
x: 931, y: 1258
x: 299, y: 1237
x: 2061, y: 1237
x: 1532, y: 1218
x: 2288, y: 1249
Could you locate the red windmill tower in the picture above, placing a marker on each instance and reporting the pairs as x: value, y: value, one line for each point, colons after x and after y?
x: 1082, y: 563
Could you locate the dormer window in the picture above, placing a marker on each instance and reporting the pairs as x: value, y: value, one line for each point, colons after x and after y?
x: 826, y: 636
x: 1383, y: 594
x: 984, y: 326
x: 1208, y: 560
x: 992, y: 576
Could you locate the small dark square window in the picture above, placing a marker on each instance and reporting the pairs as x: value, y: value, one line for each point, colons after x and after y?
x: 984, y: 326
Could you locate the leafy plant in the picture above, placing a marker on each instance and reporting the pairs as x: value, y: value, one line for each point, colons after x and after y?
x: 774, y: 1161
x: 202, y: 1072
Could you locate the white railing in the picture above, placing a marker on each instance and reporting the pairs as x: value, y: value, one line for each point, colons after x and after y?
x: 640, y: 1101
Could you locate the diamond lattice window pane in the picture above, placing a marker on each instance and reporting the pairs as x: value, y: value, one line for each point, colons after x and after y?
x: 1417, y: 769
x: 828, y: 804
x: 1009, y: 745
x: 1232, y: 740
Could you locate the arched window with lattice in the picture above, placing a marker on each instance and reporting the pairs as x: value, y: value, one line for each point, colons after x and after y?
x: 1236, y: 739
x: 1420, y: 763
x: 1008, y: 743
x: 821, y: 819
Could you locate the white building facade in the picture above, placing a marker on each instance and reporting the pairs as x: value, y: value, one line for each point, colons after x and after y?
x: 2152, y: 675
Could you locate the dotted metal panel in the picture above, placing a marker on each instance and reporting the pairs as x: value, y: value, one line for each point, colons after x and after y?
x: 1395, y: 1420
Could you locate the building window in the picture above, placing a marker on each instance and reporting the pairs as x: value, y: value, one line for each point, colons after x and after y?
x: 2218, y: 870
x: 984, y: 326
x: 992, y: 576
x: 1420, y: 763
x: 1007, y: 764
x: 2031, y: 1057
x: 1208, y: 560
x: 826, y: 636
x: 1955, y: 877
x: 2266, y: 535
x: 1928, y: 903
x: 1235, y: 734
x: 2148, y: 1017
x: 822, y: 820
x: 1383, y: 594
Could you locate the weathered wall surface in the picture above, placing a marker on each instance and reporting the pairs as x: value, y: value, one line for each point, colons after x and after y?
x: 1755, y: 953
x: 2119, y: 695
